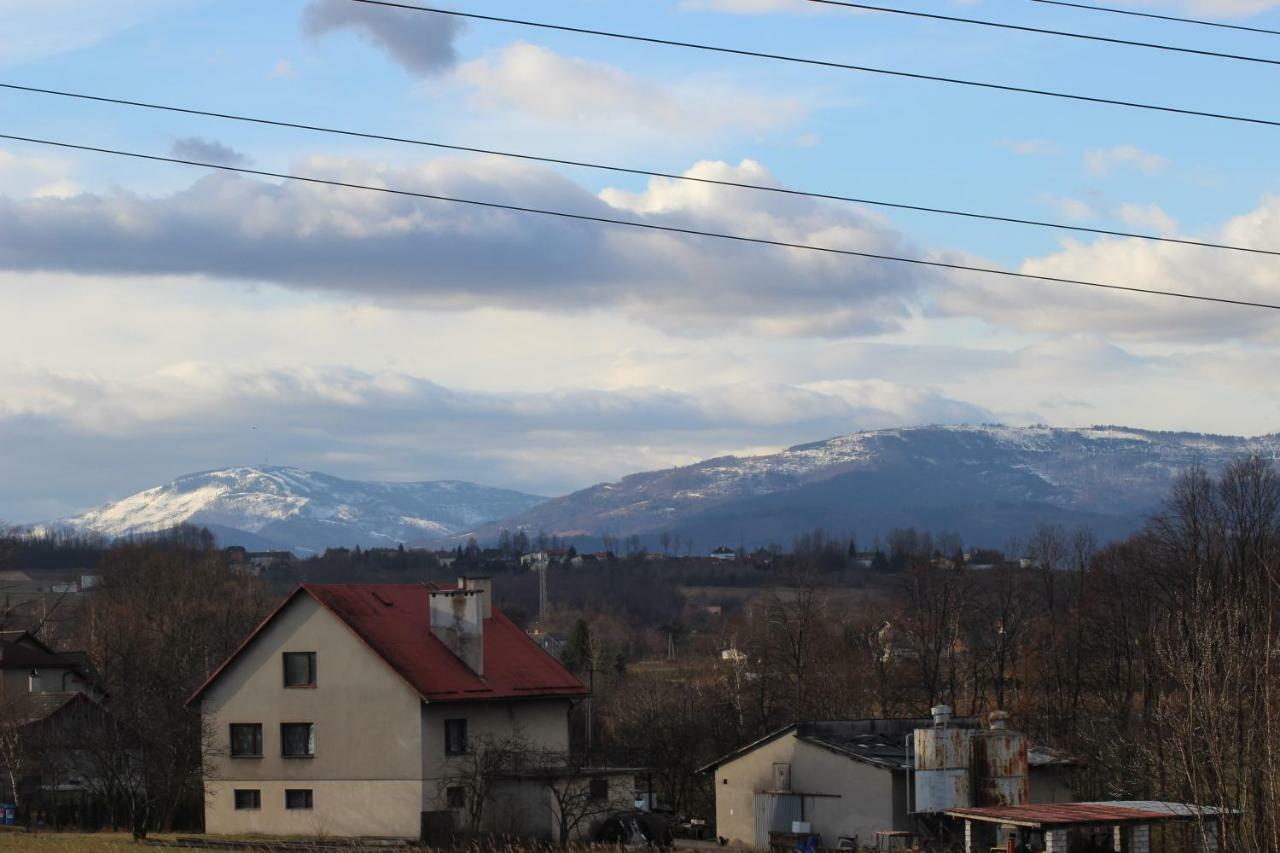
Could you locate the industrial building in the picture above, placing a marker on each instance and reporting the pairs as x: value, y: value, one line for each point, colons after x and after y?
x: 941, y: 782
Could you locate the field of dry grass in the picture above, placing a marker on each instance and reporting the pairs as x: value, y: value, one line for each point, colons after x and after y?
x: 72, y: 842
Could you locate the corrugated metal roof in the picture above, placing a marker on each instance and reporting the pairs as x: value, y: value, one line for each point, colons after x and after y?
x: 394, y: 620
x: 1179, y: 810
x: 1038, y: 815
x: 880, y: 742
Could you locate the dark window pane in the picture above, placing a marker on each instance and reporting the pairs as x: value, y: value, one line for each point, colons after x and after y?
x: 456, y: 797
x: 455, y: 737
x: 297, y: 798
x: 599, y: 789
x: 299, y: 669
x: 246, y: 739
x: 297, y: 739
x: 248, y: 798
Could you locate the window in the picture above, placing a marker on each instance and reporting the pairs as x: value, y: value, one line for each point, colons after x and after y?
x: 248, y: 798
x: 599, y: 790
x: 299, y: 669
x: 246, y: 740
x: 455, y: 797
x: 297, y: 798
x: 455, y: 737
x: 297, y: 740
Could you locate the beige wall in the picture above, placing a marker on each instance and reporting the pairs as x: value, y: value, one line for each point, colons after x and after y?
x: 543, y: 724
x: 366, y: 773
x: 865, y: 800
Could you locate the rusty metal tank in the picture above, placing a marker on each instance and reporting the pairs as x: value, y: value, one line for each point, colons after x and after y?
x: 942, y: 761
x: 1000, y: 764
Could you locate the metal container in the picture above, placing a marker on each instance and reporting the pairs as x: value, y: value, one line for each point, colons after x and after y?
x: 940, y: 790
x: 1000, y: 765
x: 943, y: 757
x: 943, y: 749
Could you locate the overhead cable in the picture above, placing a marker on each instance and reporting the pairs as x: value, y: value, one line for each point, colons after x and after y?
x: 560, y: 161
x: 843, y: 66
x: 645, y: 226
x: 1174, y: 18
x: 955, y: 19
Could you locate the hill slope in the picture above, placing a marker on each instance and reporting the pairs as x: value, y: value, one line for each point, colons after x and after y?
x: 303, y: 510
x: 986, y: 483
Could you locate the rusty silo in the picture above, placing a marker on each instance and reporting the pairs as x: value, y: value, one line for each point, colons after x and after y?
x: 1000, y: 764
x: 943, y: 756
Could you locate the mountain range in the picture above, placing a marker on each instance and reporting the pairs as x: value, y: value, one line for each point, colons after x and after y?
x: 985, y: 483
x: 270, y: 507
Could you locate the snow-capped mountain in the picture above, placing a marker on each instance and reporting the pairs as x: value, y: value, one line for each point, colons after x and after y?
x: 304, y: 511
x: 986, y: 483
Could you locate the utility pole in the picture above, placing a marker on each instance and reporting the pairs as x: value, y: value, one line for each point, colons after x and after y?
x: 541, y: 568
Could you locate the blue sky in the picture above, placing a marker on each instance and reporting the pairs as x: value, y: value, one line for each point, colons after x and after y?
x: 162, y: 321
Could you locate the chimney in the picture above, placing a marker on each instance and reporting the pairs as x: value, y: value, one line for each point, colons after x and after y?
x: 941, y: 715
x: 483, y: 586
x: 457, y: 621
x: 998, y: 721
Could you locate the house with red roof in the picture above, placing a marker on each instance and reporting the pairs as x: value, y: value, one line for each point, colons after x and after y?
x: 359, y: 711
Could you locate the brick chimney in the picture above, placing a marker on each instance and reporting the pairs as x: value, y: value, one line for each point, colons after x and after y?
x: 457, y: 620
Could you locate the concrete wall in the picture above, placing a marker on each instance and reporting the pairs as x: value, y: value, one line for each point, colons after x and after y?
x: 737, y: 782
x: 864, y: 801
x: 1050, y: 785
x: 366, y: 775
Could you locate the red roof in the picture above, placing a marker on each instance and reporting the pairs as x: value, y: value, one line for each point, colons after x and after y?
x: 394, y: 621
x: 1060, y: 814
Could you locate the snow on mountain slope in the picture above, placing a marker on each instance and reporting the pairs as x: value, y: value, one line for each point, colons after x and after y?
x: 304, y: 510
x: 987, y: 479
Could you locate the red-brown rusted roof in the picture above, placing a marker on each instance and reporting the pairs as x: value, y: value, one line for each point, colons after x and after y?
x: 394, y: 621
x: 1059, y: 814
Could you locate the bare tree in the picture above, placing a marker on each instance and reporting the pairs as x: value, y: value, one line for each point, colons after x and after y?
x: 478, y: 771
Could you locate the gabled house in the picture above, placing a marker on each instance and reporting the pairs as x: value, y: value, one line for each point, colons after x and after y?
x: 352, y: 710
x: 28, y: 666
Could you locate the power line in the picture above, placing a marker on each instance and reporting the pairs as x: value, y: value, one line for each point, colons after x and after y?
x: 843, y: 66
x: 646, y: 226
x: 918, y: 208
x: 1043, y: 31
x: 1197, y: 21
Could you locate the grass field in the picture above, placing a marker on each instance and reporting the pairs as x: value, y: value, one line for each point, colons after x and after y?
x: 71, y: 842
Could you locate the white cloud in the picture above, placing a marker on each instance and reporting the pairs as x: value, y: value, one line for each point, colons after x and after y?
x: 37, y: 177
x: 1148, y: 217
x: 429, y: 254
x: 1030, y: 147
x: 526, y: 78
x: 422, y: 44
x: 1101, y: 161
x: 1070, y: 208
x: 1158, y: 266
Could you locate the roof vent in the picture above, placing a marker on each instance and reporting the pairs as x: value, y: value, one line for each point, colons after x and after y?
x: 998, y: 721
x: 941, y: 715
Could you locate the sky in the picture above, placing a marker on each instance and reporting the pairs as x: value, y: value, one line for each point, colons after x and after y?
x: 158, y: 319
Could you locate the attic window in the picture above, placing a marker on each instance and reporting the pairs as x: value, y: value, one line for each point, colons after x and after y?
x: 299, y: 669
